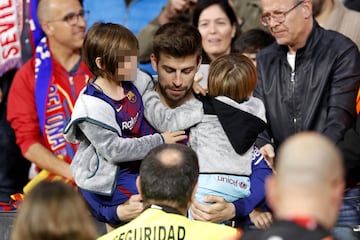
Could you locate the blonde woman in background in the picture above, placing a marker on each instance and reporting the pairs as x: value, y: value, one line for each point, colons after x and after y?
x: 53, y: 210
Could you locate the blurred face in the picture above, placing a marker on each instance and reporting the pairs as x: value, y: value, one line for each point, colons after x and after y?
x: 216, y: 31
x: 66, y: 25
x: 290, y: 30
x: 175, y: 78
x: 127, y: 67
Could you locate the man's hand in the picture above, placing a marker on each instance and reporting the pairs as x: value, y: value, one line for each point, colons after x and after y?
x: 178, y: 6
x: 42, y: 157
x: 130, y: 209
x: 173, y: 8
x: 269, y: 154
x: 217, y: 212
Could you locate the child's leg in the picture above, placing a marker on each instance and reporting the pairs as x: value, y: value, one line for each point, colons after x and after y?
x: 104, y: 208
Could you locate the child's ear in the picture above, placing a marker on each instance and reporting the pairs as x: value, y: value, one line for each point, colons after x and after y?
x: 99, y: 63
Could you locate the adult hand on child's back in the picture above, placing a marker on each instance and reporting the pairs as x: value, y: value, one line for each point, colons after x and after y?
x: 173, y: 137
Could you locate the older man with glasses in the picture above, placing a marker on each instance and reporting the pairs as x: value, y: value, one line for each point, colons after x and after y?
x: 308, y: 79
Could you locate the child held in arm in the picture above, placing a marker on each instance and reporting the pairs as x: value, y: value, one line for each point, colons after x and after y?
x: 108, y: 123
x: 223, y: 130
x: 224, y: 139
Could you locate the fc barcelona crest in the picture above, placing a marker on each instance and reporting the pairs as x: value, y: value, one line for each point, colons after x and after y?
x: 131, y: 96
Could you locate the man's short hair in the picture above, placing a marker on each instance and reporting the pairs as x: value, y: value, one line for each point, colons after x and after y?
x: 177, y: 39
x: 169, y: 173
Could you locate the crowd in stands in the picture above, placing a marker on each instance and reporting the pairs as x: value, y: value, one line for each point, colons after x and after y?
x: 172, y: 118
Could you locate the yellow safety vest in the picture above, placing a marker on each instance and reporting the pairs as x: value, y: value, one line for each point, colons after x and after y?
x: 155, y: 224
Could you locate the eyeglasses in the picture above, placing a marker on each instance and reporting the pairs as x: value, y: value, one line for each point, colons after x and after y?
x: 73, y: 18
x: 277, y: 16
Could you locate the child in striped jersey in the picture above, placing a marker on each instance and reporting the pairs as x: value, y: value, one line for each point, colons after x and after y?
x: 108, y: 123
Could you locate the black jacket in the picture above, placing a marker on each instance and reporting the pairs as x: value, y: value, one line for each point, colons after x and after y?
x: 14, y: 168
x: 321, y: 96
x: 287, y: 230
x: 350, y: 148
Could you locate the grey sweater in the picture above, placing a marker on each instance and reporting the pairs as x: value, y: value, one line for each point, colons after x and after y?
x: 163, y: 118
x: 207, y: 136
x: 231, y: 151
x: 93, y: 124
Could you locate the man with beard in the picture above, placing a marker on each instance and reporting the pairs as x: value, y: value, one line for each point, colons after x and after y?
x: 172, y: 106
x: 333, y: 15
x: 176, y: 58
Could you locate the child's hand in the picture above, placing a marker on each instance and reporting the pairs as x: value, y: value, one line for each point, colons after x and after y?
x: 269, y: 154
x: 197, y: 88
x: 260, y: 219
x: 173, y: 137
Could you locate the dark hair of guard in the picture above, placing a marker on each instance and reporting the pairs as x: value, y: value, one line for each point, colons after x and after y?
x: 169, y: 182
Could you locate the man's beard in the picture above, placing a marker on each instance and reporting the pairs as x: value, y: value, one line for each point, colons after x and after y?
x: 173, y: 100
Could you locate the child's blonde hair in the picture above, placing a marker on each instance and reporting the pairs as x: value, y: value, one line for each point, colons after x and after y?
x: 233, y: 76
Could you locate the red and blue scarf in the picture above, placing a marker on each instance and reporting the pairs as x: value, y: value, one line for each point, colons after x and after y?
x: 11, y: 27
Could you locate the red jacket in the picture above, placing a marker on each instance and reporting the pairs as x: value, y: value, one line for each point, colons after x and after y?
x: 22, y: 112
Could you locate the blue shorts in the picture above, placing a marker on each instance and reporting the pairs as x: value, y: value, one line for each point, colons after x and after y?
x: 102, y: 207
